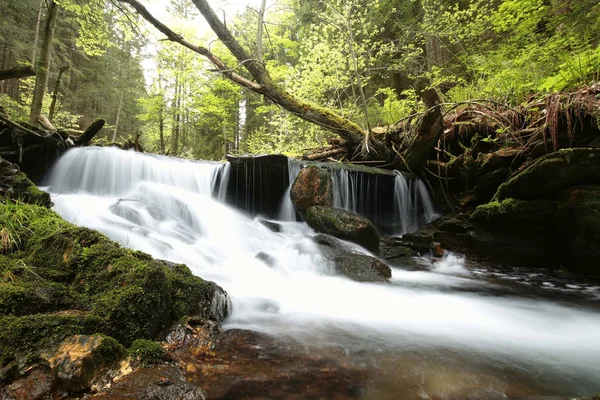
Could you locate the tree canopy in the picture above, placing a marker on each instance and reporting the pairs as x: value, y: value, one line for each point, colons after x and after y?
x: 363, y: 60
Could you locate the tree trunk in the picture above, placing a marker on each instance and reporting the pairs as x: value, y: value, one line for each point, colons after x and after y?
x: 55, y: 93
x: 114, y: 136
x: 36, y: 36
x: 176, y: 115
x: 259, y: 36
x: 43, y: 65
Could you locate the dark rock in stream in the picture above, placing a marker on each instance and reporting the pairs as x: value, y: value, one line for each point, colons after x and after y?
x: 344, y: 225
x: 266, y: 258
x: 356, y: 266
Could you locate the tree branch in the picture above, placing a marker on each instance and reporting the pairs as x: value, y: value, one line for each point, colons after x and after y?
x: 16, y: 73
x: 174, y: 37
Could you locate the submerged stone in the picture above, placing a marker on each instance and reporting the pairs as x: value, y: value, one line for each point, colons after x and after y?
x: 344, y: 225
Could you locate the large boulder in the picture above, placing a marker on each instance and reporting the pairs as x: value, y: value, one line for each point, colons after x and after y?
x: 356, y: 266
x: 578, y: 222
x: 552, y: 173
x: 312, y: 187
x: 344, y: 225
x: 65, y: 280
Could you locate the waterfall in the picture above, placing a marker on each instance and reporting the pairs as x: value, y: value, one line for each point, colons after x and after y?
x: 287, y: 212
x: 402, y: 210
x: 170, y: 209
x: 111, y: 171
x: 412, y: 204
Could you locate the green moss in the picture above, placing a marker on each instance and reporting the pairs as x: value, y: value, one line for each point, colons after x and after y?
x: 514, y: 210
x: 110, y: 350
x: 58, y: 280
x: 147, y: 352
x: 26, y: 336
x: 26, y: 191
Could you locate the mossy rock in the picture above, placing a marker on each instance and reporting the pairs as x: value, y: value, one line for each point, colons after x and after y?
x: 344, y: 225
x: 514, y: 211
x: 578, y: 222
x: 57, y: 280
x: 15, y: 185
x: 552, y: 173
x: 147, y: 352
x: 313, y: 187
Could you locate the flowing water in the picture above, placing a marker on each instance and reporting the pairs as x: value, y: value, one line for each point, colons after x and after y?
x: 430, y: 330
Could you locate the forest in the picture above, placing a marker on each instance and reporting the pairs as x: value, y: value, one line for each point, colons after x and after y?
x: 364, y: 60
x: 300, y: 199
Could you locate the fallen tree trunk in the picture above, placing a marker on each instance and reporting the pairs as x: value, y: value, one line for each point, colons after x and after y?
x: 16, y: 73
x: 35, y: 150
x: 360, y: 144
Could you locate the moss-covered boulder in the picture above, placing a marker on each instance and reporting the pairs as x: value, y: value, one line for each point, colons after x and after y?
x: 15, y: 185
x: 344, y: 225
x: 312, y: 187
x: 578, y: 222
x: 59, y: 280
x: 552, y: 173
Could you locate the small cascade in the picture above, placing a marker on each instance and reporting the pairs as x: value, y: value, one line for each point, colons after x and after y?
x: 111, y: 171
x: 287, y: 211
x: 221, y: 190
x: 412, y: 204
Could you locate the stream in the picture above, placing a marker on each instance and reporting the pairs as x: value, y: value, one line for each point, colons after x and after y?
x: 457, y: 327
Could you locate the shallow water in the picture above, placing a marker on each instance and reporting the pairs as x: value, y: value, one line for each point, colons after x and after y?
x: 455, y: 328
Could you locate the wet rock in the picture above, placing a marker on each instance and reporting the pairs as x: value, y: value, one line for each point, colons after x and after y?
x: 344, y: 225
x: 552, y: 173
x: 245, y: 364
x: 312, y: 187
x: 82, y: 361
x: 257, y: 184
x: 159, y: 383
x: 454, y: 224
x: 358, y: 267
x: 266, y: 258
x: 578, y: 222
x: 362, y: 268
x: 274, y: 226
x: 37, y: 384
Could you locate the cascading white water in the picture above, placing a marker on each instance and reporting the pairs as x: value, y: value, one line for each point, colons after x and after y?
x: 352, y: 191
x: 287, y: 211
x: 412, y: 204
x: 165, y: 207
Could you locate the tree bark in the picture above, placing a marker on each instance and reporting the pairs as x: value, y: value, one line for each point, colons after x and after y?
x: 43, y: 64
x: 16, y: 73
x: 55, y: 93
x: 89, y: 133
x: 259, y: 35
x: 120, y: 106
x: 36, y: 36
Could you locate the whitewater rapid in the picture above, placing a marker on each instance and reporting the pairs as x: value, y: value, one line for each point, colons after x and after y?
x: 170, y: 209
